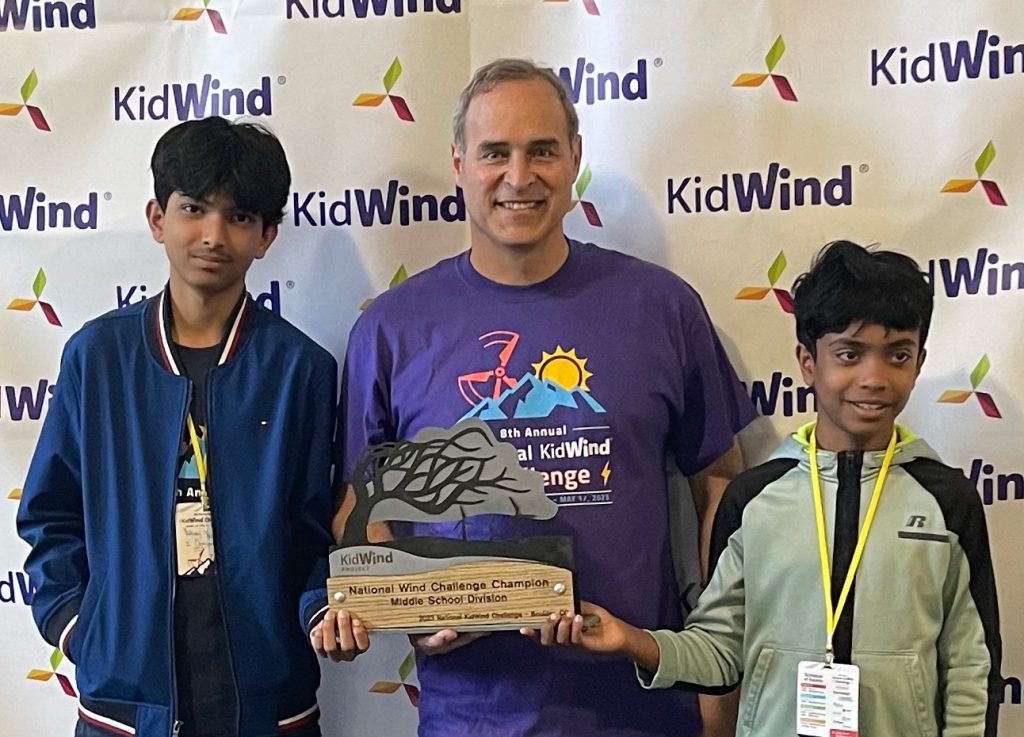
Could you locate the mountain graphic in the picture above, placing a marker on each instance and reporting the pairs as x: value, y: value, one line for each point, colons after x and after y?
x: 188, y: 469
x: 532, y: 397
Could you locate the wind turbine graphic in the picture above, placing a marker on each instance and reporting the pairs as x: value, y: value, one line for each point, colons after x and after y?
x: 468, y: 382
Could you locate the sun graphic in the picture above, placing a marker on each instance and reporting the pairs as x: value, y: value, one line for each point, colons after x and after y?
x: 564, y: 368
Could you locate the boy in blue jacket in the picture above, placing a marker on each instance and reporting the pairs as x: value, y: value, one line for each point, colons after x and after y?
x: 853, y: 590
x: 179, y: 499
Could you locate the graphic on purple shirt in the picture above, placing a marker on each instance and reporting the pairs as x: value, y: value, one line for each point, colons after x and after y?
x: 593, y: 375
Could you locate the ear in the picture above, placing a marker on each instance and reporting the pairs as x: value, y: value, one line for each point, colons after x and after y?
x: 577, y: 155
x: 269, y: 234
x: 457, y: 164
x: 155, y: 219
x: 920, y: 361
x: 806, y: 362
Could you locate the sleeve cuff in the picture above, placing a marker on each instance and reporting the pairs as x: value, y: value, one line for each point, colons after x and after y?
x: 670, y: 673
x: 314, y: 613
x: 665, y: 676
x: 66, y: 635
x: 61, y: 624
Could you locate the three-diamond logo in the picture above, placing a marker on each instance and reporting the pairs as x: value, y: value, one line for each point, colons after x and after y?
x: 41, y: 674
x: 771, y: 59
x: 196, y: 13
x: 13, y: 108
x: 400, y: 276
x: 24, y: 305
x: 588, y: 207
x: 981, y: 165
x: 403, y: 673
x: 774, y: 273
x: 959, y: 396
x: 373, y: 99
x: 590, y: 5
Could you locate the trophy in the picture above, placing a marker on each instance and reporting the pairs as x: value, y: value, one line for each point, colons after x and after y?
x: 424, y: 584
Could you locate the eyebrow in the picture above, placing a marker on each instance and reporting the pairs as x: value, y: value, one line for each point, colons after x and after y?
x: 234, y: 208
x: 852, y: 343
x: 491, y: 145
x: 202, y: 200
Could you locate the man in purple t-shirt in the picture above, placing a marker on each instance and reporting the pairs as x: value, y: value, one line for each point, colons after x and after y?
x: 595, y: 365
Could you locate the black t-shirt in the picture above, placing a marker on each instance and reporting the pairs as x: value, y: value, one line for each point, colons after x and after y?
x: 207, y: 702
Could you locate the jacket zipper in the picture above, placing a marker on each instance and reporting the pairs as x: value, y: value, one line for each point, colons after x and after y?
x: 849, y: 470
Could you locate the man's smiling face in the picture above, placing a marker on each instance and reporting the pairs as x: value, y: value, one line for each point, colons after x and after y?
x: 517, y: 167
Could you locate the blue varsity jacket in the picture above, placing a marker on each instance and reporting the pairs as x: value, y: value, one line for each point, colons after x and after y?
x: 98, y: 511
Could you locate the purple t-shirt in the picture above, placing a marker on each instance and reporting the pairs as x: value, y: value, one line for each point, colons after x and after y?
x: 594, y: 375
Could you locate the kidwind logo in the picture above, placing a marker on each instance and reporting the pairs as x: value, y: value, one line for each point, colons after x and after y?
x: 32, y: 211
x: 771, y: 60
x: 587, y: 85
x: 373, y: 99
x: 773, y: 189
x: 24, y: 403
x: 394, y: 204
x: 982, y: 58
x: 17, y: 583
x: 588, y: 207
x: 129, y: 294
x: 589, y: 5
x: 25, y: 305
x: 46, y: 14
x: 994, y: 486
x: 959, y: 396
x: 774, y: 273
x: 39, y: 674
x: 968, y: 276
x: 368, y: 558
x: 13, y: 108
x: 404, y: 670
x: 981, y: 166
x: 193, y: 14
x: 781, y: 395
x: 367, y: 8
x: 193, y: 100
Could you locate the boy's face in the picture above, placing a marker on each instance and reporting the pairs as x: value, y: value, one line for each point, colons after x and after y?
x: 862, y: 378
x: 209, y: 242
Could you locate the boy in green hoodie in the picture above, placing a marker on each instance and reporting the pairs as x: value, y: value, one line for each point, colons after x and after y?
x: 853, y: 590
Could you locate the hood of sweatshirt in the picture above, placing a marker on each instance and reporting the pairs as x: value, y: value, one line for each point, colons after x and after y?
x: 908, y: 448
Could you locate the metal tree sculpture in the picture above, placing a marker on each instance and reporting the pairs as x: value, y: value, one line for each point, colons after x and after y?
x: 443, y: 475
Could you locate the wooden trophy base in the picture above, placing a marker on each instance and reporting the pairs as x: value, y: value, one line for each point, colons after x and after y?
x: 428, y: 584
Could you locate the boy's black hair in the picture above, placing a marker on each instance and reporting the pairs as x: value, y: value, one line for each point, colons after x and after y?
x: 848, y: 283
x: 242, y: 160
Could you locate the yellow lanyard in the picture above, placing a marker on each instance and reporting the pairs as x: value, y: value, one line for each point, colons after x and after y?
x: 200, y: 463
x: 832, y: 616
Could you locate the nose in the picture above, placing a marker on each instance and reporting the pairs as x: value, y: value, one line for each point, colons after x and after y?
x: 873, y: 373
x: 519, y: 173
x: 214, y: 229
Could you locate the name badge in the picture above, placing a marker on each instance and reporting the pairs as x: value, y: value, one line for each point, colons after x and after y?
x: 828, y: 699
x: 194, y: 538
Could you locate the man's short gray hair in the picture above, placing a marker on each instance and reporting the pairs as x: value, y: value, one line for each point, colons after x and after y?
x: 491, y: 75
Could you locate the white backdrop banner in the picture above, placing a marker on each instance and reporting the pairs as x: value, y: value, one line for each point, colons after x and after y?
x: 726, y: 141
